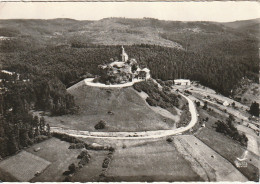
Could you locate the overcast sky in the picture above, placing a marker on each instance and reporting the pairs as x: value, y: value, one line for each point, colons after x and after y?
x: 183, y: 11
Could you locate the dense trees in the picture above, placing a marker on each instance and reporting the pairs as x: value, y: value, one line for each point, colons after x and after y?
x: 18, y: 127
x: 40, y: 93
x: 20, y: 130
x: 157, y: 97
x: 220, y: 67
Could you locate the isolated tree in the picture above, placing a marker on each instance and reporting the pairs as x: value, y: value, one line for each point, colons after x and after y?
x: 205, y: 106
x: 254, y: 109
x: 197, y: 103
x: 101, y: 125
x: 72, y: 168
x: 169, y: 139
x: 233, y: 104
x: 231, y: 118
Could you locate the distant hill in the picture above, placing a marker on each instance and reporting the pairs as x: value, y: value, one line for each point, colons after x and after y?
x: 242, y: 23
x: 249, y: 26
x: 121, y: 31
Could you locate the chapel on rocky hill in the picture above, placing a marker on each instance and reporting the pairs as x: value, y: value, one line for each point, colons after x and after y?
x: 120, y: 72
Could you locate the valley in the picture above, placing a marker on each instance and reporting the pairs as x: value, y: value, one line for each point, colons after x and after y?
x: 197, y: 151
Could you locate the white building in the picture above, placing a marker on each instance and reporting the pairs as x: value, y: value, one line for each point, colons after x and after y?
x: 147, y: 71
x: 226, y: 103
x: 143, y: 73
x: 182, y: 82
x: 124, y: 55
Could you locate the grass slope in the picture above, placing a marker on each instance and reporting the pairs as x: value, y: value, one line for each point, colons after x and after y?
x: 130, y: 112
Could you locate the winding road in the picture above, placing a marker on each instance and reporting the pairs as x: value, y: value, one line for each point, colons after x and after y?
x: 134, y: 135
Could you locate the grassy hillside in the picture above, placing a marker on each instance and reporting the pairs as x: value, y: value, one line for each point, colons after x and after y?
x: 129, y: 111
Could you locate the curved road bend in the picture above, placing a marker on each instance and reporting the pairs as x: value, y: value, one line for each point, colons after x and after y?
x: 134, y: 135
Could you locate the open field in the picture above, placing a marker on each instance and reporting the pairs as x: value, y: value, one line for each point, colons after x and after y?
x: 230, y: 150
x: 155, y: 160
x: 150, y: 161
x: 251, y: 136
x: 209, y: 160
x: 51, y: 160
x: 129, y: 111
x: 7, y: 177
x: 23, y: 166
x: 56, y: 152
x: 225, y: 146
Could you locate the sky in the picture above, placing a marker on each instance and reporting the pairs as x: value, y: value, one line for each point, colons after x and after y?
x: 180, y: 11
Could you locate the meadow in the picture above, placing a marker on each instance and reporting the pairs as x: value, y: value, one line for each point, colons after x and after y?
x: 122, y: 109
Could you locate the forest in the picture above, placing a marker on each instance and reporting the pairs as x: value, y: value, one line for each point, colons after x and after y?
x: 18, y: 127
x: 220, y: 68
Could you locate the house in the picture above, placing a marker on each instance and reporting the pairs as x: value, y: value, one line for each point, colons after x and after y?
x: 225, y: 103
x: 182, y: 82
x: 147, y: 71
x: 141, y: 75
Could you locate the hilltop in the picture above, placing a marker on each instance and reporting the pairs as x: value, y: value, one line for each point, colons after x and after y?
x: 121, y: 108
